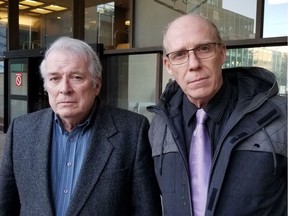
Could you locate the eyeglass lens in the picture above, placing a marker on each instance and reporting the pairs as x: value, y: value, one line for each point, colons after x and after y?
x: 201, y: 52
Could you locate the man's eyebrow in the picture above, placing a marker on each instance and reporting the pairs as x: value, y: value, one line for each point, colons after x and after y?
x: 196, y: 45
x: 51, y: 73
x: 205, y: 43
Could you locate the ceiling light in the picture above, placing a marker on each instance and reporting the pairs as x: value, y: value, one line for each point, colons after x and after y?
x: 22, y: 7
x: 2, y: 2
x: 31, y: 3
x: 55, y: 7
x: 40, y: 11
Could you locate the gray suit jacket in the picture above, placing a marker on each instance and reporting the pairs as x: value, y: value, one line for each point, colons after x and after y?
x: 116, y: 177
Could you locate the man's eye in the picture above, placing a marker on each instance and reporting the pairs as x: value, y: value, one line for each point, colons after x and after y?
x: 54, y: 79
x: 204, y: 48
x: 179, y: 54
x: 77, y: 77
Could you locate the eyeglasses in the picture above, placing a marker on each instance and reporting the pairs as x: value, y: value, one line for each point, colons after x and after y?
x: 201, y: 52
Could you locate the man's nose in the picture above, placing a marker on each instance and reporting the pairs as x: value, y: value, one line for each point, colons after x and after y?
x: 65, y: 87
x: 193, y: 61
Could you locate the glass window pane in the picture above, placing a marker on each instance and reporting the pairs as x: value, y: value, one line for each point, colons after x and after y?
x: 108, y: 24
x: 274, y: 59
x: 132, y: 82
x: 3, y: 42
x: 142, y: 82
x: 236, y: 20
x: 40, y: 25
x: 275, y: 18
x: 18, y: 79
x: 3, y: 28
x: 18, y: 107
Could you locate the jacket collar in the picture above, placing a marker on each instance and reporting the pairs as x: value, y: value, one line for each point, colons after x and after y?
x: 250, y: 82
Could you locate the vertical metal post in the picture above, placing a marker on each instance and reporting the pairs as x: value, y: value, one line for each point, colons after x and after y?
x: 13, y: 26
x: 78, y: 14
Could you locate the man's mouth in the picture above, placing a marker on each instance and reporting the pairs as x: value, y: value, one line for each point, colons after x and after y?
x: 198, y: 80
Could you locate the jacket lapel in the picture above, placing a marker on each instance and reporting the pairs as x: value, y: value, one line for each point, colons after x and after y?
x: 98, y: 153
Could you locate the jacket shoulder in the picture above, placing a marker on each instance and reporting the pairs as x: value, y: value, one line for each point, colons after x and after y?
x: 39, y: 115
x: 160, y: 137
x: 123, y: 119
x: 272, y: 137
x: 122, y: 113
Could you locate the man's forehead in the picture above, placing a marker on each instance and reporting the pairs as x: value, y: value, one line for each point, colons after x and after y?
x: 187, y: 23
x: 181, y: 35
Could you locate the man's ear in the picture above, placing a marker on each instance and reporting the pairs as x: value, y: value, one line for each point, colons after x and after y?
x: 167, y: 66
x: 98, y: 84
x: 223, y: 53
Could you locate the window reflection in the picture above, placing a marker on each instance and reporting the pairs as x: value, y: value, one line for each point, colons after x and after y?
x: 108, y: 24
x: 275, y: 18
x: 132, y: 81
x: 3, y: 28
x: 274, y: 59
x: 54, y: 25
x: 3, y: 42
x: 236, y: 20
x: 40, y: 25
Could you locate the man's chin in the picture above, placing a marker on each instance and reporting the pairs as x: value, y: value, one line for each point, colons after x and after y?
x: 65, y: 113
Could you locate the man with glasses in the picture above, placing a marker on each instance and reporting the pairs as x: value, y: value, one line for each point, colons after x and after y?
x: 238, y: 166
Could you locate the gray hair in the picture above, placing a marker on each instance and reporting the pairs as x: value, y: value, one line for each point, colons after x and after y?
x: 207, y: 20
x: 77, y: 48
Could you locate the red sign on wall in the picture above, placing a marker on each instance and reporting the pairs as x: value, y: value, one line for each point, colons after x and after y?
x: 18, y: 79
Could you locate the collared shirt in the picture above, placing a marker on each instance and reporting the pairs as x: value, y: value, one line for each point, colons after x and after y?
x: 67, y: 155
x: 218, y: 110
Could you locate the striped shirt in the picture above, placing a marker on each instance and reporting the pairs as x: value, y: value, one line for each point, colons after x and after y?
x: 67, y: 155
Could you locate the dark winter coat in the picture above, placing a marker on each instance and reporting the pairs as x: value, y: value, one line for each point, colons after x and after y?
x: 249, y: 169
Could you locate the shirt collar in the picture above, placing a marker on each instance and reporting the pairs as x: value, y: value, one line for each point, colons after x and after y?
x: 215, y: 109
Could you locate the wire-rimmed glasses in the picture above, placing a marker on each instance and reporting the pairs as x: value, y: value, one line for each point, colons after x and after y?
x: 202, y: 51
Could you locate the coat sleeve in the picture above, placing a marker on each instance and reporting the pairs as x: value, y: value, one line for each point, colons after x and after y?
x: 9, y: 198
x: 146, y: 193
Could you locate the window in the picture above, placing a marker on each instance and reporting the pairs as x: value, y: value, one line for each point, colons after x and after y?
x: 275, y: 18
x: 132, y: 81
x: 108, y: 24
x: 274, y: 59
